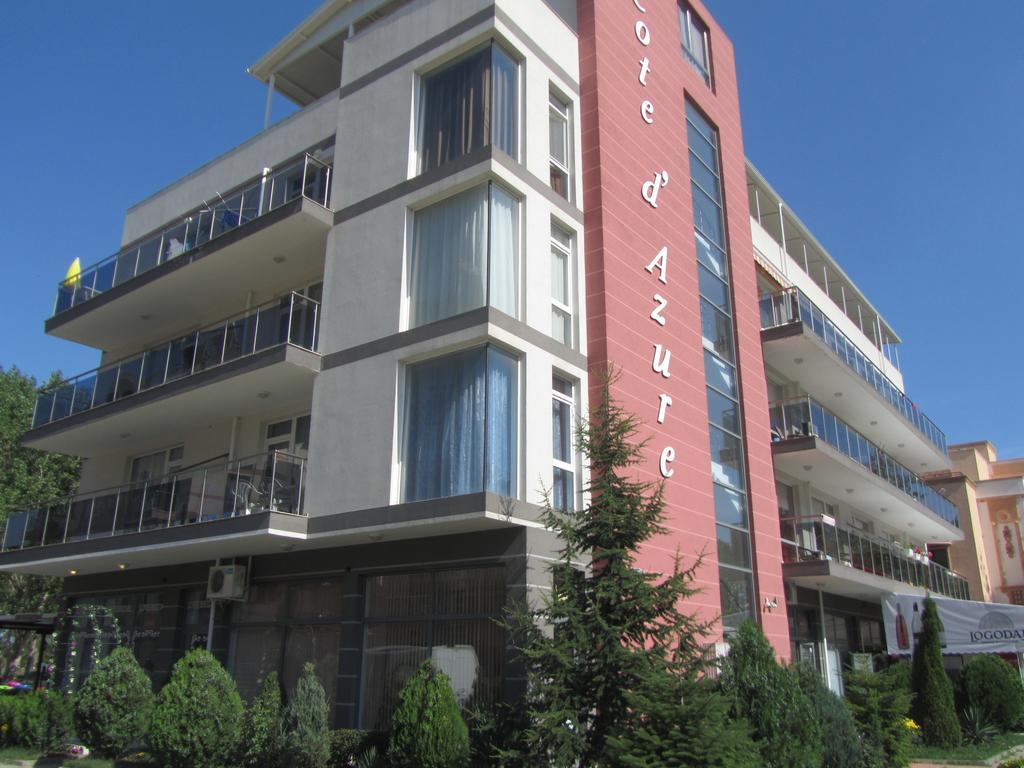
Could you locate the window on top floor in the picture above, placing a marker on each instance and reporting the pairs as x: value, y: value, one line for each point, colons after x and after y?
x: 468, y: 105
x: 694, y: 34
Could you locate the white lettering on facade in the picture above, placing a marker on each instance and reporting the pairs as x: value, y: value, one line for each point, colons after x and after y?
x: 662, y: 358
x: 660, y: 263
x: 666, y: 401
x: 656, y: 315
x: 647, y: 112
x: 645, y: 67
x: 639, y: 7
x: 668, y: 455
x: 650, y: 189
x: 643, y: 34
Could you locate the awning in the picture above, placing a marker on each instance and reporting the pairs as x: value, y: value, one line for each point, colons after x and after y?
x: 968, y: 626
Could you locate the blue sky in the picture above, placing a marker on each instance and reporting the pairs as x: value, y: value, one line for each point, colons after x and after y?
x: 894, y: 130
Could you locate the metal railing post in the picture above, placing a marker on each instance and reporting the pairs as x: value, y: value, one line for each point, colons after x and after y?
x: 117, y: 508
x: 170, y: 504
x: 273, y: 479
x: 67, y: 522
x: 202, y: 495
x: 238, y: 478
x: 298, y: 492
x: 316, y: 326
x: 291, y: 314
x: 88, y: 526
x: 142, y: 506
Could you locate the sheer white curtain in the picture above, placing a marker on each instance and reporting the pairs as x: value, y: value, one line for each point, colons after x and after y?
x: 504, y: 251
x: 448, y: 263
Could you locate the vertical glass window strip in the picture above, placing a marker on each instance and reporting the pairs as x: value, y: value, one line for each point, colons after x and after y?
x: 559, y: 124
x: 465, y: 255
x: 563, y: 485
x: 460, y: 425
x: 469, y: 105
x: 725, y: 428
x: 694, y: 34
x: 561, y: 285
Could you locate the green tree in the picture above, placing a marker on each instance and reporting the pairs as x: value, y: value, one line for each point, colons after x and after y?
x: 197, y: 720
x: 933, y: 707
x: 27, y: 477
x: 427, y: 729
x: 608, y: 634
x: 993, y: 687
x: 113, y: 707
x: 768, y: 695
x: 840, y: 741
x: 263, y: 728
x: 880, y: 704
x: 307, y: 737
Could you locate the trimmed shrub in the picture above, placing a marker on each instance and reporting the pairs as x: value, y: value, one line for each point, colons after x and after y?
x: 346, y: 746
x: 307, y: 738
x: 880, y: 706
x: 933, y: 708
x: 263, y: 728
x: 427, y: 729
x: 38, y: 720
x: 198, y: 715
x: 840, y: 741
x: 768, y: 696
x: 682, y: 724
x: 990, y: 685
x: 113, y: 707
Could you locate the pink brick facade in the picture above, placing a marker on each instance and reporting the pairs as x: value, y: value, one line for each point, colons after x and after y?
x: 625, y: 232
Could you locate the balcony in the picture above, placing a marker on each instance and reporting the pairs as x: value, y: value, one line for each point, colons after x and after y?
x: 185, y: 380
x: 840, y: 551
x: 802, y: 343
x: 263, y: 489
x: 273, y: 230
x: 810, y: 443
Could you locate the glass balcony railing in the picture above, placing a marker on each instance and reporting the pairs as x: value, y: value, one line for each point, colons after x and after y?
x: 814, y: 538
x: 307, y: 178
x: 804, y: 417
x: 267, y: 482
x: 293, y: 319
x: 792, y: 306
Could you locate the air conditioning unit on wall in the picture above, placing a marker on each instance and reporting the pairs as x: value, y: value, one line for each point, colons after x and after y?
x: 226, y: 582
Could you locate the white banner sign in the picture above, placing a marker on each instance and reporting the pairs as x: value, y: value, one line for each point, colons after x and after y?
x: 968, y: 626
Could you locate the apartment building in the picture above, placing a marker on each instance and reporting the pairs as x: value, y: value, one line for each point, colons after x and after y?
x: 857, y: 521
x: 989, y: 493
x: 340, y: 363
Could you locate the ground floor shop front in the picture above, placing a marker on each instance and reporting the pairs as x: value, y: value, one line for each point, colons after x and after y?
x: 365, y: 616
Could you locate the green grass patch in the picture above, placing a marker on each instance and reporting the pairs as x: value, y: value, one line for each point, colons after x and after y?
x: 14, y: 755
x: 968, y: 753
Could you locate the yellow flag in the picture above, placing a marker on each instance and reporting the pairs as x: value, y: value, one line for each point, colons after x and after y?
x: 74, y: 275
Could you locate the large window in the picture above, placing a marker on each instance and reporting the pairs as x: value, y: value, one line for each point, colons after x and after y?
x: 563, y: 484
x: 460, y: 422
x: 448, y: 617
x: 468, y: 105
x: 561, y: 285
x: 560, y: 146
x: 465, y: 255
x: 694, y: 34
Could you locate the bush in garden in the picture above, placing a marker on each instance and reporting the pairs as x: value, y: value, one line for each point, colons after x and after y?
x: 198, y: 715
x: 346, y: 745
x: 990, y: 685
x: 263, y: 728
x: 933, y: 708
x: 880, y: 705
x: 682, y: 723
x: 427, y: 728
x: 784, y: 724
x: 113, y: 707
x: 840, y: 741
x: 977, y: 726
x: 39, y: 720
x: 307, y: 736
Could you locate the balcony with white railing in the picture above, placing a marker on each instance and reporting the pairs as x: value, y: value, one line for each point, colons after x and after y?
x: 272, y: 482
x: 818, y: 539
x: 803, y: 344
x: 812, y: 444
x: 272, y: 226
x: 212, y: 368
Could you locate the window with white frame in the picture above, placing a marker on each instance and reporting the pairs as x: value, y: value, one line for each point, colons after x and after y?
x: 694, y: 34
x: 464, y: 255
x: 467, y: 105
x: 563, y: 483
x: 460, y: 425
x: 561, y: 285
x: 560, y: 144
